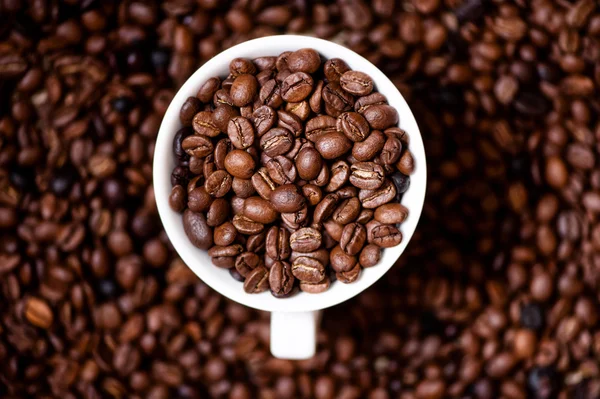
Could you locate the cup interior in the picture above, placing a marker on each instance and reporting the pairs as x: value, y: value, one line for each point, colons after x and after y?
x: 199, y: 261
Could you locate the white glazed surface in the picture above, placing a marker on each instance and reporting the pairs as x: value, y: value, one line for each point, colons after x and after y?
x: 199, y: 261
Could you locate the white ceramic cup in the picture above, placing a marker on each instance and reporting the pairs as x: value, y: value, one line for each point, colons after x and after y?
x: 294, y: 320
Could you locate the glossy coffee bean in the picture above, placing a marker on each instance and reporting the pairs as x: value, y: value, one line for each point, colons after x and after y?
x: 308, y: 163
x: 340, y: 261
x: 281, y: 279
x: 259, y: 210
x: 197, y: 230
x: 276, y: 141
x: 333, y: 145
x: 334, y: 68
x: 367, y: 175
x: 239, y: 164
x: 353, y: 238
x: 391, y: 213
x: 306, y: 239
x: 257, y: 280
x: 240, y: 132
x: 370, y: 255
x: 354, y: 126
x: 386, y: 236
x: 243, y: 90
x: 296, y: 87
x: 308, y: 269
x: 304, y: 60
x: 277, y: 243
x: 287, y: 198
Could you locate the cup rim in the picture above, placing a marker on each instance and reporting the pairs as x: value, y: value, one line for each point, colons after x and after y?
x: 198, y: 261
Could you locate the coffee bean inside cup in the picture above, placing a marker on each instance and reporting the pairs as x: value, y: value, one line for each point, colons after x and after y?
x: 298, y: 156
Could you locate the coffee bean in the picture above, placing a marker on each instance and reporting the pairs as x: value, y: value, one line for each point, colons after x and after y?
x: 401, y: 182
x: 333, y: 145
x: 391, y: 151
x: 340, y: 261
x: 325, y: 208
x: 277, y: 244
x: 270, y: 94
x: 347, y: 211
x: 349, y: 276
x: 312, y: 193
x: 281, y: 280
x: 199, y: 200
x: 367, y: 175
x: 386, y: 236
x: 406, y: 164
x: 381, y: 117
x: 365, y: 102
x: 189, y: 109
x: 334, y: 69
x: 243, y: 90
x: 353, y: 238
x: 259, y: 210
x: 300, y: 109
x: 38, y: 313
x: 391, y: 213
x: 339, y: 175
x: 337, y: 100
x: 315, y: 288
x: 316, y: 99
x: 308, y: 163
x: 290, y: 122
x: 319, y: 126
x: 208, y: 89
x: 221, y: 116
x: 197, y: 146
x: 239, y: 164
x: 225, y: 234
x: 240, y: 132
x: 305, y: 239
x: 281, y: 170
x: 177, y: 199
x: 370, y: 147
x: 247, y: 226
x: 356, y: 83
x: 241, y: 66
x: 218, y: 183
x: 295, y: 220
x: 370, y: 255
x: 264, y: 118
x: 178, y: 151
x: 276, y: 141
x: 371, y: 199
x: 287, y: 198
x: 304, y: 60
x: 265, y: 63
x: 353, y: 125
x: 228, y: 251
x: 218, y: 212
x: 296, y: 87
x: 257, y: 280
x: 263, y: 184
x: 204, y: 124
x: 308, y: 269
x: 243, y: 188
x: 197, y: 230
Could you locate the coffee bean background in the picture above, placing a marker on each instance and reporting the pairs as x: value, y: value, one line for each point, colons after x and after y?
x: 496, y: 296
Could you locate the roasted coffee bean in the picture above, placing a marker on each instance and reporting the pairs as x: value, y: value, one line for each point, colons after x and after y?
x: 243, y: 188
x: 204, y: 124
x: 365, y: 102
x: 391, y: 213
x: 347, y: 192
x: 247, y: 226
x: 218, y: 183
x: 381, y: 117
x: 334, y: 69
x: 325, y: 208
x: 401, y: 182
x: 239, y: 164
x: 225, y: 234
x: 339, y: 175
x: 218, y: 212
x: 189, y: 109
x: 319, y: 126
x: 197, y: 146
x: 370, y: 147
x: 276, y: 141
x: 308, y: 163
x: 259, y: 210
x: 349, y: 276
x: 295, y: 220
x: 386, y: 236
x: 222, y: 115
x: 281, y: 170
x: 347, y: 211
x: 353, y: 125
x: 305, y: 239
x: 222, y: 148
x: 365, y: 216
x: 308, y: 269
x: 228, y: 251
x: 277, y: 243
x: 406, y: 164
x: 316, y: 99
x: 315, y: 288
x: 246, y: 262
x: 243, y: 90
x: 367, y: 175
x: 264, y: 118
x: 178, y: 151
x: 256, y: 242
x: 265, y: 63
x: 270, y: 94
x: 353, y: 238
x: 370, y: 255
x: 257, y: 280
x: 333, y: 229
x: 263, y: 184
x: 290, y: 122
x: 337, y: 100
x: 208, y: 89
x: 300, y: 109
x: 333, y: 145
x: 371, y: 199
x: 323, y: 177
x: 241, y: 66
x: 296, y: 87
x: 237, y: 205
x: 177, y: 199
x: 197, y: 230
x: 240, y: 132
x: 340, y: 261
x: 304, y: 60
x: 356, y: 83
x: 281, y: 279
x: 312, y: 193
x: 287, y: 198
x: 391, y: 151
x: 199, y: 200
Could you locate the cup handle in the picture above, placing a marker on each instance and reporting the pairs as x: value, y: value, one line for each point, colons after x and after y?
x: 294, y: 334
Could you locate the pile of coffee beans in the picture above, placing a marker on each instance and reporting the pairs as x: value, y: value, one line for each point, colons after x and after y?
x: 495, y: 296
x: 291, y: 169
